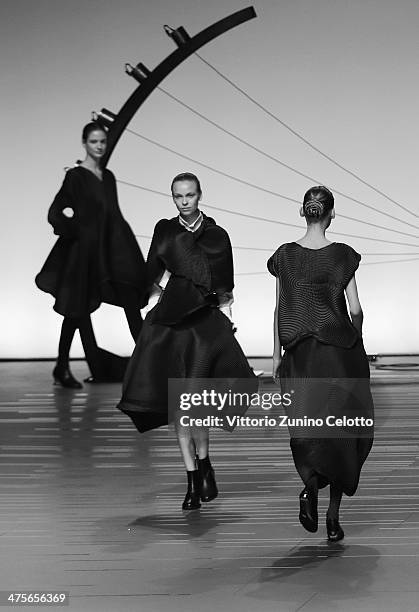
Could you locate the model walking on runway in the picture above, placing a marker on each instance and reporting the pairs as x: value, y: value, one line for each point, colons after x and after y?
x: 187, y: 332
x: 324, y: 360
x: 96, y: 259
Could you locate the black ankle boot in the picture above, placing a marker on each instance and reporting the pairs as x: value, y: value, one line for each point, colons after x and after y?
x: 191, y: 501
x: 63, y: 376
x: 335, y: 532
x: 208, y: 485
x: 308, y: 516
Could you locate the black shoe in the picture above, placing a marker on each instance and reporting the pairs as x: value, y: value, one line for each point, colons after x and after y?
x: 93, y: 380
x: 97, y: 380
x: 334, y: 530
x: 308, y: 510
x: 63, y: 376
x: 191, y: 501
x: 208, y: 485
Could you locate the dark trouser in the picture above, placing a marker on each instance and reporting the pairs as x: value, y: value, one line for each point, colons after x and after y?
x: 98, y: 360
x: 87, y: 336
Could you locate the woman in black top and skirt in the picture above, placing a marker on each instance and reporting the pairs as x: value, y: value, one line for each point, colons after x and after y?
x: 95, y: 259
x: 187, y: 333
x: 322, y: 342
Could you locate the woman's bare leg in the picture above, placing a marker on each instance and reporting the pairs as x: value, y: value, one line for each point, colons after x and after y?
x: 186, y: 444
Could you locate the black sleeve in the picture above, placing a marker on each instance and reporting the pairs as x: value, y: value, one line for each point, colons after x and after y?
x: 221, y: 264
x: 65, y: 198
x: 113, y: 201
x: 351, y: 265
x: 272, y: 264
x: 155, y: 266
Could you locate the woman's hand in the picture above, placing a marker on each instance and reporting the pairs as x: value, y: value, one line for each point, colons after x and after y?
x: 226, y: 310
x: 154, y: 297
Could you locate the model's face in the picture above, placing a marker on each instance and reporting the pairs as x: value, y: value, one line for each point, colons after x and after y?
x: 186, y: 197
x: 95, y: 144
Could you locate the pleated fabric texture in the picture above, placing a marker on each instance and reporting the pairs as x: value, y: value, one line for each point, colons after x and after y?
x: 312, y: 300
x: 333, y: 460
x: 324, y: 364
x: 202, y: 346
x: 96, y: 257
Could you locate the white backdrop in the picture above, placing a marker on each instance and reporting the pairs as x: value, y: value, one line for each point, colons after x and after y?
x: 342, y: 74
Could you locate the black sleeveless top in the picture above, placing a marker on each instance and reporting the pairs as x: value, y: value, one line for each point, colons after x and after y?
x: 312, y: 299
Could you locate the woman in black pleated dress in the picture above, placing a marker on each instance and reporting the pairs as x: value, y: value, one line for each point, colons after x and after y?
x: 95, y: 259
x: 188, y: 332
x: 324, y: 363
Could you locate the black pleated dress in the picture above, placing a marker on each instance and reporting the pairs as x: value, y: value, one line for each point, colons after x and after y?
x: 185, y: 335
x: 96, y: 257
x: 324, y: 363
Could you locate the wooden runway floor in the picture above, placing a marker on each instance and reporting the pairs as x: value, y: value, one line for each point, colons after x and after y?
x: 90, y: 507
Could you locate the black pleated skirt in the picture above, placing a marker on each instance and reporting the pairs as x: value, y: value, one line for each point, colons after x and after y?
x: 202, y: 346
x: 341, y: 389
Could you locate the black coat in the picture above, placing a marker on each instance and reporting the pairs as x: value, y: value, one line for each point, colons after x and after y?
x: 96, y: 258
x: 201, y: 266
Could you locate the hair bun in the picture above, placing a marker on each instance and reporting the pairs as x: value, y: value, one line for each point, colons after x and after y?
x: 313, y: 208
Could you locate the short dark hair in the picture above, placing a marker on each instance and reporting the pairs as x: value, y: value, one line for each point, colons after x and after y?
x: 91, y: 127
x: 318, y: 202
x: 187, y: 176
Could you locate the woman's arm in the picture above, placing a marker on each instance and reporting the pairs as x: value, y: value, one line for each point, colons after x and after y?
x: 64, y: 225
x: 157, y: 276
x: 225, y: 302
x: 277, y: 343
x: 222, y: 272
x: 354, y: 305
x: 155, y: 267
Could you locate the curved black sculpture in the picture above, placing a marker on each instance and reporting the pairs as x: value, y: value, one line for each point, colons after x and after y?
x: 149, y: 80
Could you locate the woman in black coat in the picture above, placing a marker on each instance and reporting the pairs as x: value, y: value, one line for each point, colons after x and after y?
x: 96, y: 259
x: 187, y: 333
